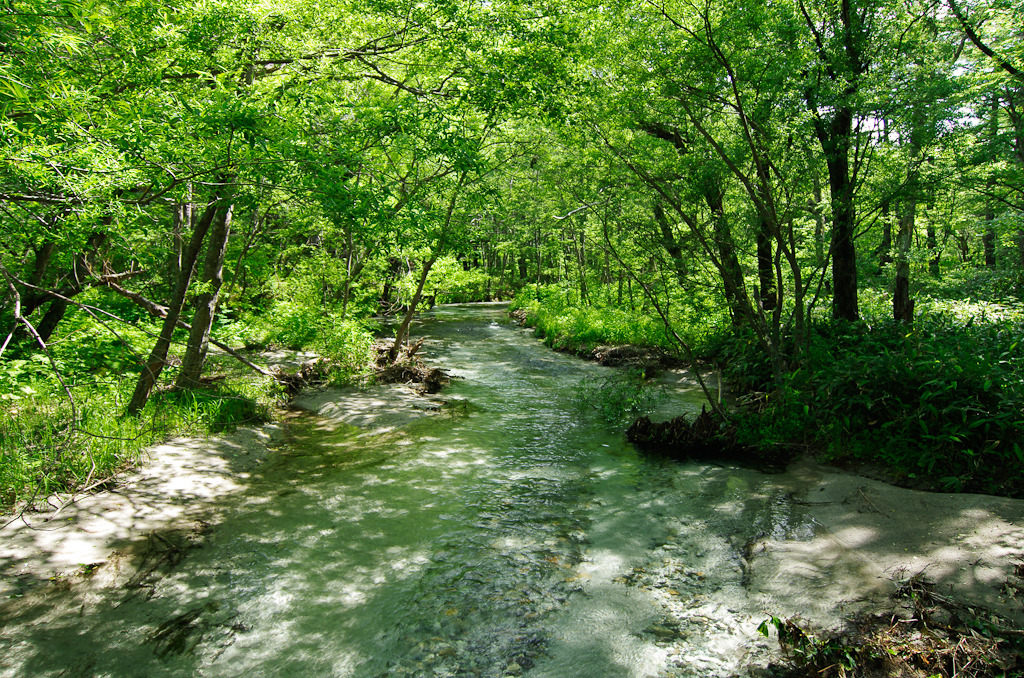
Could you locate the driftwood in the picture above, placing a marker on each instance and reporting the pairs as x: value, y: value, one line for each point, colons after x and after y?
x: 629, y: 356
x: 311, y: 372
x: 703, y: 437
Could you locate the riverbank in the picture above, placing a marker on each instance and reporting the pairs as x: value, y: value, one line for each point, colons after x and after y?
x: 176, y: 494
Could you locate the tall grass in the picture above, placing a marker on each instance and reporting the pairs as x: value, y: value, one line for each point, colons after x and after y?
x: 48, y: 447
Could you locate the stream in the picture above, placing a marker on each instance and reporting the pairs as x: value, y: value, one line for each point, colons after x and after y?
x: 510, y: 533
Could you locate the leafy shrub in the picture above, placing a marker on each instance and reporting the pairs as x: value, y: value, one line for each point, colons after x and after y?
x: 919, y: 401
x: 565, y: 327
x: 348, y: 344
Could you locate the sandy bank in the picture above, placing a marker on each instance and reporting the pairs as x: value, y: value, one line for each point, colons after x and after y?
x: 869, y: 533
x: 181, y: 486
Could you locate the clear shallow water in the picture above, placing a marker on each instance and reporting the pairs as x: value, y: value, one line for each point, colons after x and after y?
x: 508, y: 535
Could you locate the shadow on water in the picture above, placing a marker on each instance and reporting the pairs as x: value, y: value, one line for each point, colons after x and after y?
x: 507, y: 536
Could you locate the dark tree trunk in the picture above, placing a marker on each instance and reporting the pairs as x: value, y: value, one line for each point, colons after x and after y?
x: 32, y: 298
x: 206, y: 302
x: 988, y: 238
x: 731, y: 270
x: 668, y: 241
x: 836, y: 143
x: 833, y: 125
x: 158, y: 355
x: 76, y: 283
x: 902, y: 304
x: 765, y: 266
x: 932, y: 241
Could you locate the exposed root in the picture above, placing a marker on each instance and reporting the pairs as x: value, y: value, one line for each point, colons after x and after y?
x: 408, y: 368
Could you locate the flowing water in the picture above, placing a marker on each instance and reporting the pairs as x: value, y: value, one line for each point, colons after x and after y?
x: 509, y: 534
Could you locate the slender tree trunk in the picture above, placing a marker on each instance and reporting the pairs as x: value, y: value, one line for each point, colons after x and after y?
x: 79, y: 270
x: 988, y: 239
x: 932, y: 241
x: 668, y: 241
x: 902, y: 304
x: 814, y: 204
x: 765, y: 265
x: 884, y: 249
x: 403, y: 329
x: 158, y: 355
x: 206, y: 302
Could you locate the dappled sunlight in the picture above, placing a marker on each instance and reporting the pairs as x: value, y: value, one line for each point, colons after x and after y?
x: 508, y: 537
x: 869, y: 536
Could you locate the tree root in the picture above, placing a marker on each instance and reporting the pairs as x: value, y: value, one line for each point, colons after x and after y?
x: 707, y: 437
x: 408, y: 369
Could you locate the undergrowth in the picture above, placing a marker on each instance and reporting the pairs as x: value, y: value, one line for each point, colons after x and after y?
x: 580, y: 329
x: 926, y: 635
x: 941, y: 403
x: 69, y: 432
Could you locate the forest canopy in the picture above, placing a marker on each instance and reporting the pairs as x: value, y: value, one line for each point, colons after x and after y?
x: 825, y: 198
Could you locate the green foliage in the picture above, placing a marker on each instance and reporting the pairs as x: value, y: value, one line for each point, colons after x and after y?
x: 450, y: 282
x: 576, y: 329
x: 348, y: 345
x: 913, y: 400
x: 807, y: 649
x: 44, y: 450
x: 52, y: 443
x: 618, y: 397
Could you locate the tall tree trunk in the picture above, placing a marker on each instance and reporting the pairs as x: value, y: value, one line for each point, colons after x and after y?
x: 206, y: 302
x: 932, y: 241
x: 833, y: 126
x: 844, y: 218
x: 988, y: 239
x: 668, y: 241
x: 158, y: 354
x: 731, y: 270
x: 766, y: 265
x: 902, y: 304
